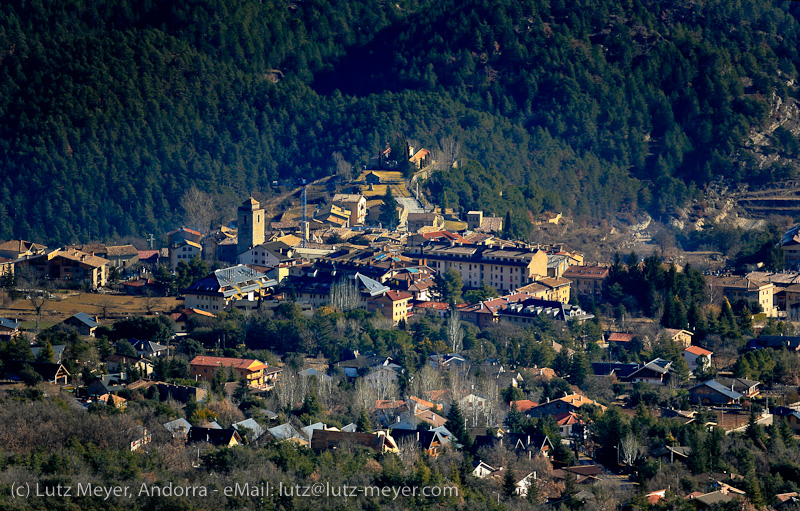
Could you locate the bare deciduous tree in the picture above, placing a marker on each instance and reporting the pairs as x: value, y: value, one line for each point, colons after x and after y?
x: 198, y: 208
x: 449, y: 153
x: 365, y: 394
x: 343, y: 168
x: 35, y: 289
x: 455, y: 334
x: 149, y: 301
x: 290, y: 389
x: 425, y: 380
x: 631, y: 449
x: 713, y: 292
x: 408, y: 451
x: 105, y: 304
x: 344, y: 295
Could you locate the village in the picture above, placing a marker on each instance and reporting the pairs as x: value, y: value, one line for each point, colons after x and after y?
x: 369, y: 317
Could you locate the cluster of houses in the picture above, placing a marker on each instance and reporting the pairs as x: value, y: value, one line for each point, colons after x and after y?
x: 395, y: 274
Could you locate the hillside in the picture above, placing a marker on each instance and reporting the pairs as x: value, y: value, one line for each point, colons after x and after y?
x: 109, y: 113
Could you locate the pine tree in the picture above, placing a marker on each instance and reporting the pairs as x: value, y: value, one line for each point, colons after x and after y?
x: 533, y: 491
x: 45, y: 353
x: 242, y: 391
x: 509, y: 484
x: 363, y: 424
x: 579, y: 368
x: 727, y: 320
x: 192, y: 406
x: 753, y: 489
x: 514, y: 419
x: 388, y: 215
x: 457, y: 426
x: 311, y: 405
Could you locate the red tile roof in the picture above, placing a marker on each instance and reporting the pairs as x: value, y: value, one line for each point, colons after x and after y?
x: 398, y: 295
x: 523, y: 405
x: 422, y: 402
x: 433, y: 305
x: 387, y: 404
x: 697, y: 350
x: 446, y: 235
x: 620, y: 337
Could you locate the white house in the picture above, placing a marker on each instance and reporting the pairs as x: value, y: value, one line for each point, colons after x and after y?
x: 692, y: 356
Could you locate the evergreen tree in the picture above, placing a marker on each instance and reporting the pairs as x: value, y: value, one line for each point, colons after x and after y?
x: 457, y: 426
x: 388, y: 217
x: 364, y: 424
x: 29, y: 376
x: 579, y: 368
x: 311, y: 405
x: 45, y: 353
x: 509, y: 484
x: 192, y: 406
x: 727, y: 320
x: 533, y: 491
x: 753, y: 489
x: 514, y: 419
x: 242, y: 391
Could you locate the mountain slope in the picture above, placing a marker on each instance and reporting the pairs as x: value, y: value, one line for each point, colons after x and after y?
x: 108, y: 114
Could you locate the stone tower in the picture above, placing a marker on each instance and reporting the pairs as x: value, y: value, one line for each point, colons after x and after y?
x: 250, y: 220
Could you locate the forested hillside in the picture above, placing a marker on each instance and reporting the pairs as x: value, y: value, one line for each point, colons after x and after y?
x: 110, y: 111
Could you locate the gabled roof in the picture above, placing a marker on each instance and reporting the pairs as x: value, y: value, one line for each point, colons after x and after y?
x: 365, y: 361
x: 178, y: 427
x: 148, y: 346
x: 255, y: 429
x: 672, y: 332
x: 714, y: 497
x: 327, y: 439
x: 568, y: 419
x: 697, y: 350
x: 621, y: 337
x: 20, y: 246
x: 523, y: 405
x: 236, y: 363
x: 621, y: 369
x: 425, y: 439
x: 388, y: 404
x: 184, y: 229
x: 285, y: 432
x: 214, y: 436
x: 596, y: 272
x: 725, y: 391
x: 46, y: 370
x: 422, y: 402
x: 147, y: 254
x: 122, y: 250
x: 86, y: 319
x: 7, y: 323
x: 396, y: 296
x: 657, y: 365
x: 80, y: 257
x: 371, y: 286
x: 738, y: 383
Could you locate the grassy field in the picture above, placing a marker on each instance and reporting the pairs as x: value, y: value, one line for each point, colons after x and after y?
x: 106, y: 307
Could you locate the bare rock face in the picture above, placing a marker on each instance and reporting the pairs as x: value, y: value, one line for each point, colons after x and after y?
x: 784, y: 113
